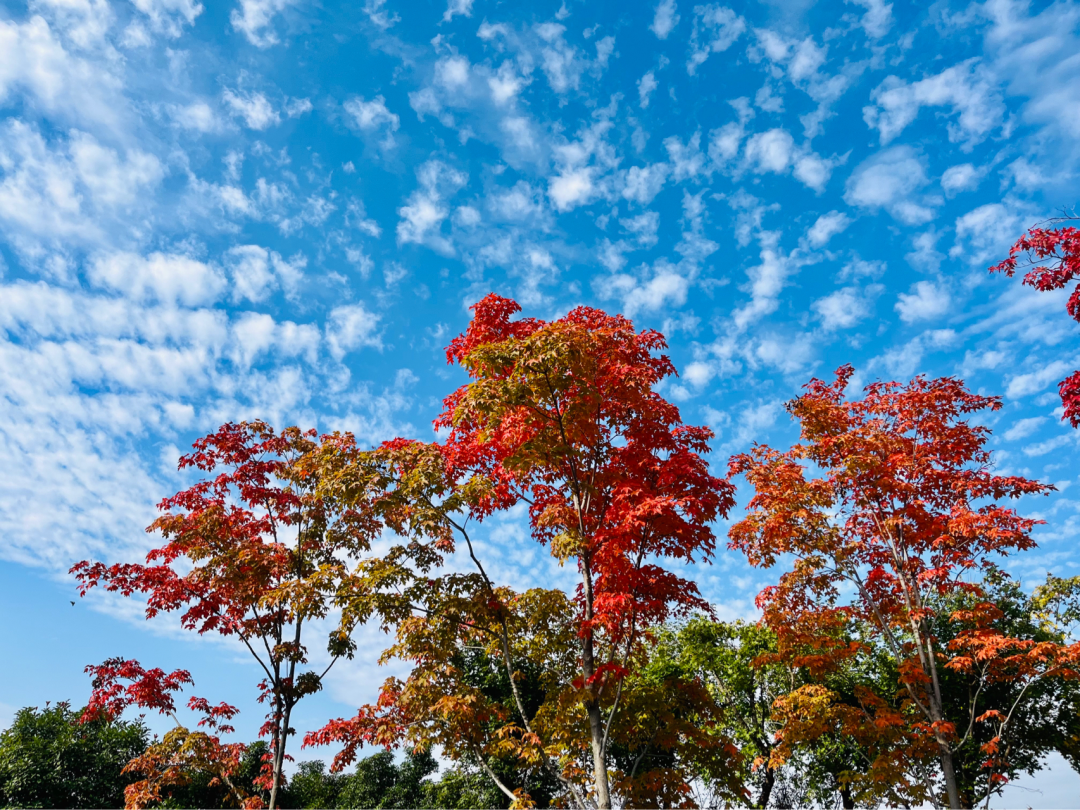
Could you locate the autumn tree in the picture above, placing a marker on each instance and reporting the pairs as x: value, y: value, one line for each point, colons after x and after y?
x: 887, y: 507
x: 1052, y: 256
x: 252, y: 553
x: 563, y: 417
x: 1047, y: 713
x: 182, y: 755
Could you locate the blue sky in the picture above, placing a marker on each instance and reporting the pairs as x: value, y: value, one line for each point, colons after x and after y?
x: 282, y: 209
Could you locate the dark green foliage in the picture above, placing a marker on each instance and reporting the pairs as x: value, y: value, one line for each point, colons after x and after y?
x: 463, y: 788
x: 312, y: 786
x: 380, y: 782
x: 49, y: 759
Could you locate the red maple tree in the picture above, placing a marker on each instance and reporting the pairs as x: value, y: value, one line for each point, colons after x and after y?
x: 250, y: 553
x: 175, y: 759
x: 563, y: 416
x: 1053, y: 254
x: 901, y: 513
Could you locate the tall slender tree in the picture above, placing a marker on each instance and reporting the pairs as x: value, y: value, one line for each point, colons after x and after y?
x: 562, y: 416
x: 903, y: 511
x: 253, y: 553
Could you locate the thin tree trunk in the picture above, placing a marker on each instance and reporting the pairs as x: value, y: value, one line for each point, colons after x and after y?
x: 279, y: 756
x: 596, y: 717
x: 277, y: 774
x: 766, y: 789
x: 596, y: 729
x: 949, y: 772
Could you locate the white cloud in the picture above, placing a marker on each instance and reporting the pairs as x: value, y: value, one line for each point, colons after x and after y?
x: 256, y: 272
x: 813, y: 171
x: 452, y: 72
x: 379, y: 17
x: 877, y: 20
x: 170, y: 16
x: 573, y: 187
x: 73, y: 193
x: 643, y: 227
x: 254, y: 18
x: 907, y: 359
x: 33, y: 60
x: 687, y: 160
x: 926, y: 301
x: 373, y: 117
x: 520, y: 203
x: 465, y: 216
x: 766, y: 281
x: 643, y: 183
x: 665, y: 19
x: 860, y: 268
x: 770, y: 151
x: 826, y: 227
x: 254, y: 108
x: 296, y: 107
x: 563, y: 64
x: 649, y: 290
x: 1022, y: 385
x: 891, y: 180
x: 461, y: 8
x: 505, y: 84
x: 786, y: 353
x: 84, y: 23
x: 255, y: 334
x: 774, y: 151
x: 801, y: 61
x: 425, y: 210
x: 582, y: 165
x: 198, y: 116
x: 715, y: 30
x: 965, y: 87
x: 846, y: 307
x: 985, y: 234
x: 724, y: 143
x: 351, y: 327
x: 646, y: 84
x: 963, y: 177
x: 167, y: 279
x: 1023, y: 428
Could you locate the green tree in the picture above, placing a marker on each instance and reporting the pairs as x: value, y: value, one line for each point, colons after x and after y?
x: 463, y: 787
x: 312, y: 786
x: 738, y: 663
x: 49, y: 759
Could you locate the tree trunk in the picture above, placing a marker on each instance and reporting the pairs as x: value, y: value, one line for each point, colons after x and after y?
x: 279, y: 756
x: 847, y: 801
x: 592, y: 706
x: 596, y: 730
x: 949, y: 772
x: 766, y: 789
